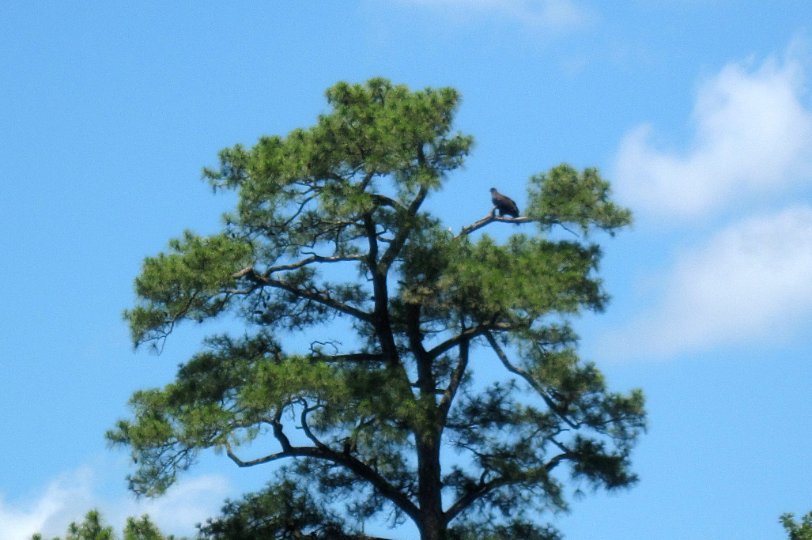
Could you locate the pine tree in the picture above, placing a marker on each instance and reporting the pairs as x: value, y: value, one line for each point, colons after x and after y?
x: 362, y: 320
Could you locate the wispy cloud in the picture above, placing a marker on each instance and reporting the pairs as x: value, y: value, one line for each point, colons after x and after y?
x: 189, y: 502
x: 752, y: 137
x: 68, y: 497
x: 63, y: 500
x: 746, y: 279
x: 550, y: 15
x: 746, y: 283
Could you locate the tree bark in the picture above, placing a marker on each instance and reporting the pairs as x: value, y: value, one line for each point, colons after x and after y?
x: 432, y: 525
x: 427, y: 436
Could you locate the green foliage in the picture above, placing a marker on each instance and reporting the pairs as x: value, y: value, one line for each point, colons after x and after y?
x: 186, y: 283
x: 566, y: 196
x: 490, y: 279
x: 282, y: 512
x: 795, y: 530
x: 516, y: 529
x: 93, y: 528
x: 361, y: 312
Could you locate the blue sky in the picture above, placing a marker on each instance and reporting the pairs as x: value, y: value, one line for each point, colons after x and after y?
x: 699, y: 112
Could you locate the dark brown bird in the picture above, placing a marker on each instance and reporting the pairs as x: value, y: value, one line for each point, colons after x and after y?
x: 505, y: 205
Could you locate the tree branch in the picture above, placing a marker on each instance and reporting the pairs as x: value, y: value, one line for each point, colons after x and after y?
x: 313, y: 259
x: 530, y: 380
x: 466, y: 335
x: 380, y: 315
x: 490, y: 218
x: 362, y: 357
x: 354, y: 357
x: 299, y: 210
x: 263, y: 280
x: 325, y: 453
x: 367, y: 179
x: 484, y: 488
x: 400, y: 238
x: 383, y: 200
x: 456, y: 380
x: 425, y: 379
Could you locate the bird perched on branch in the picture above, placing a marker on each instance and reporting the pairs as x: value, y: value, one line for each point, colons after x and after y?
x: 505, y: 205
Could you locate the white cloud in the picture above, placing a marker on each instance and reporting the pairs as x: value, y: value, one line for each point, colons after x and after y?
x: 749, y: 282
x: 753, y: 137
x: 62, y: 501
x: 538, y: 14
x: 69, y: 497
x: 189, y: 502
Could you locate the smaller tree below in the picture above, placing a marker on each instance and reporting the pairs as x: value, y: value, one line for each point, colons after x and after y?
x: 93, y: 528
x: 798, y: 531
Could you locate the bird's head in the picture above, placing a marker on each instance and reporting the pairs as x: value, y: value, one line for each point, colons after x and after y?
x: 493, y: 190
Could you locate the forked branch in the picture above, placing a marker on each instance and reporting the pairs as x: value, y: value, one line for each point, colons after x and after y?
x: 325, y: 453
x: 484, y: 487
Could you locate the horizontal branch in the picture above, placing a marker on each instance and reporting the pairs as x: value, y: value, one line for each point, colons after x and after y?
x: 465, y: 335
x: 353, y: 357
x: 490, y: 218
x: 317, y: 353
x: 313, y: 259
x: 316, y: 296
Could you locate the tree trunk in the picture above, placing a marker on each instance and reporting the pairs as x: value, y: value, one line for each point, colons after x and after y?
x: 427, y: 437
x: 432, y: 525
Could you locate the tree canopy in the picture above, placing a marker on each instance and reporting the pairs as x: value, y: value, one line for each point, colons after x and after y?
x: 93, y: 528
x: 797, y: 530
x: 390, y: 367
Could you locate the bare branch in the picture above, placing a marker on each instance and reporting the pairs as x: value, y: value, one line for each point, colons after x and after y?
x: 356, y: 357
x: 316, y: 353
x: 244, y: 272
x: 490, y: 218
x: 465, y: 335
x: 456, y: 380
x: 367, y: 179
x: 306, y: 427
x: 416, y: 345
x: 314, y: 259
